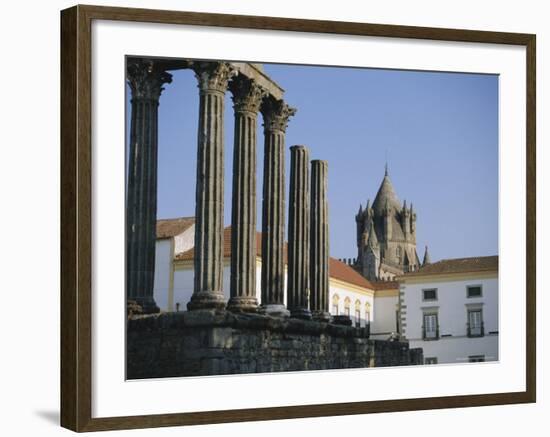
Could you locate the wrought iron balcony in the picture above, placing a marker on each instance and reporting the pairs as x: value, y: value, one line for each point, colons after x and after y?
x: 430, y: 335
x: 475, y: 331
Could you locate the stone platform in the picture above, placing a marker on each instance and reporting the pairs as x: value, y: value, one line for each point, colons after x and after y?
x: 210, y: 342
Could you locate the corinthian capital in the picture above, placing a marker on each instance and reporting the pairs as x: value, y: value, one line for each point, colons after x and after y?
x: 247, y: 94
x: 146, y: 78
x: 213, y: 76
x: 276, y: 114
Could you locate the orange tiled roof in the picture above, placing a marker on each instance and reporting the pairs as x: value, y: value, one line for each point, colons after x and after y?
x: 458, y: 265
x: 385, y: 285
x: 337, y: 269
x: 167, y: 228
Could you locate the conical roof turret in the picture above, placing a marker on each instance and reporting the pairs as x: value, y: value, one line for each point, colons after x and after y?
x: 426, y: 257
x: 386, y: 195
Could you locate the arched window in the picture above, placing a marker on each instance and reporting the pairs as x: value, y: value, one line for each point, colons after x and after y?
x: 367, y: 313
x: 335, y: 303
x: 347, y: 304
x: 357, y: 313
x: 399, y: 254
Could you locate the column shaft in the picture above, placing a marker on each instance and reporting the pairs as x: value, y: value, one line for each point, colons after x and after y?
x: 145, y: 79
x: 319, y: 241
x: 212, y: 78
x: 247, y: 98
x: 298, y: 234
x: 276, y: 114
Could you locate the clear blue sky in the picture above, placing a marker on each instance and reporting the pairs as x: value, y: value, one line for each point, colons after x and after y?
x: 438, y: 130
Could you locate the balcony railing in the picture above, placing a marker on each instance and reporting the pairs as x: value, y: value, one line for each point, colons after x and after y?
x: 430, y: 335
x: 475, y: 330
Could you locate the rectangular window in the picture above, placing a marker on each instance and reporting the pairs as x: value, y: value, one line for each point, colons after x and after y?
x: 346, y: 311
x: 475, y: 323
x: 474, y: 291
x: 431, y: 328
x: 476, y: 359
x: 358, y: 318
x: 430, y: 360
x: 430, y: 294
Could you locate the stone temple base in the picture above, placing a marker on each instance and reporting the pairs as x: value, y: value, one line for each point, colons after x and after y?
x: 142, y: 306
x: 243, y: 304
x: 211, y: 342
x: 274, y: 310
x: 206, y: 300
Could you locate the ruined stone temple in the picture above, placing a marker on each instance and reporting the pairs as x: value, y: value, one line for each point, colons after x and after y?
x: 386, y: 235
x: 289, y: 325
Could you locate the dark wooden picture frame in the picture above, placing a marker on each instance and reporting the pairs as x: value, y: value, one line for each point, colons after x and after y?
x: 76, y: 217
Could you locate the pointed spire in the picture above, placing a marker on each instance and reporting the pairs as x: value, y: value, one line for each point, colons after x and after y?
x: 368, y: 205
x: 386, y: 169
x: 385, y: 194
x: 404, y: 204
x: 373, y: 240
x: 411, y: 208
x: 359, y: 216
x: 426, y: 257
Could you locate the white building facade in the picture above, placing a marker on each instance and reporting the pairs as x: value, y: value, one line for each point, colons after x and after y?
x: 349, y: 292
x: 386, y: 308
x: 450, y: 310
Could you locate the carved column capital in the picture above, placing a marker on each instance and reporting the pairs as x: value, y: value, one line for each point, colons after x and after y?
x: 276, y: 114
x: 146, y: 78
x: 213, y: 76
x: 247, y: 94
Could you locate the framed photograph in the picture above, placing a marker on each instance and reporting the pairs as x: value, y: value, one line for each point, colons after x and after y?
x: 268, y: 218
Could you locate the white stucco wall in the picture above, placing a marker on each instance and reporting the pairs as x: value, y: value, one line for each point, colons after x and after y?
x: 185, y: 241
x: 184, y: 282
x: 452, y: 304
x: 184, y: 277
x: 457, y: 349
x: 183, y: 287
x: 343, y: 292
x: 163, y: 267
x: 385, y: 322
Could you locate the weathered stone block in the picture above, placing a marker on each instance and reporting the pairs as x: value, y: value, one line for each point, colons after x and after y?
x: 208, y: 342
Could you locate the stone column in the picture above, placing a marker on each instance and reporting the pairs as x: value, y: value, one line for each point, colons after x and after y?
x: 319, y: 241
x: 212, y: 79
x: 247, y: 97
x: 298, y: 234
x: 276, y: 114
x: 146, y: 80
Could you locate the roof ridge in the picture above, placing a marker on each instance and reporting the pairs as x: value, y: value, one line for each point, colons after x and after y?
x: 176, y: 218
x: 465, y: 257
x: 458, y: 265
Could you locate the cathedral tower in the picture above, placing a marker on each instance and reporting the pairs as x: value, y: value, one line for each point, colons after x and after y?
x: 386, y: 235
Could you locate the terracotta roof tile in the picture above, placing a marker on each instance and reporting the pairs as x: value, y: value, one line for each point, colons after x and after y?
x: 343, y: 272
x: 337, y: 269
x: 457, y: 265
x: 385, y: 285
x: 167, y: 228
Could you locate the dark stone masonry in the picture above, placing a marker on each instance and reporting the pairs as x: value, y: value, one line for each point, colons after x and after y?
x: 213, y: 342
